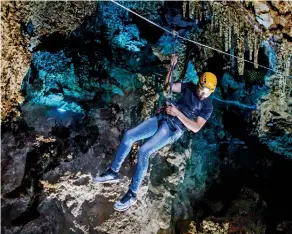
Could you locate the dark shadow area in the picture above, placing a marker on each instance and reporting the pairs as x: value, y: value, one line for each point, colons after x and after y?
x: 255, y: 76
x: 215, y: 65
x: 52, y: 43
x: 148, y: 31
x: 248, y: 164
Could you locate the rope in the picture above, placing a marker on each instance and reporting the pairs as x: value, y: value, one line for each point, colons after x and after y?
x: 174, y: 34
x: 192, y: 41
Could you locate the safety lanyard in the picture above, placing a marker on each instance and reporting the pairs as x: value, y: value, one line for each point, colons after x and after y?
x: 174, y: 34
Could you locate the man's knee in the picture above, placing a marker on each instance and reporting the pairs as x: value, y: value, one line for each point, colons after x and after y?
x: 144, y: 152
x: 128, y: 136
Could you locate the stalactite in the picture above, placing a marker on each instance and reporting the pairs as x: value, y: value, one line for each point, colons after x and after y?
x: 203, y: 11
x: 232, y: 58
x: 196, y: 8
x: 196, y: 18
x: 229, y: 32
x: 288, y: 66
x: 184, y: 7
x: 240, y: 47
x: 255, y: 52
x: 226, y: 40
x: 218, y: 14
x: 199, y: 7
x: 215, y: 18
x: 284, y: 82
x: 208, y: 12
x: 236, y: 28
x: 241, y: 71
x: 192, y: 9
x: 282, y: 88
x: 250, y: 44
x: 212, y: 13
x: 285, y: 66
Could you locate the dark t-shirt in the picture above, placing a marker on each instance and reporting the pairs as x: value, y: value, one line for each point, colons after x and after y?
x: 191, y: 106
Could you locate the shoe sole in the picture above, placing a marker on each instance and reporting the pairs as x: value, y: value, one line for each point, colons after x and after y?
x: 125, y: 208
x: 104, y: 182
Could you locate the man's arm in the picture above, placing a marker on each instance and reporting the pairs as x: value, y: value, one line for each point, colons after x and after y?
x: 176, y: 87
x: 166, y: 82
x: 193, y: 125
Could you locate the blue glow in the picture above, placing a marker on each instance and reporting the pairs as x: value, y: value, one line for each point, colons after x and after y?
x: 61, y: 110
x: 270, y: 53
x: 236, y: 103
x: 166, y: 44
x: 191, y: 74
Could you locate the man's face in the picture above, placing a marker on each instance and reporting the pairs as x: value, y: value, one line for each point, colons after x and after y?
x: 202, y: 92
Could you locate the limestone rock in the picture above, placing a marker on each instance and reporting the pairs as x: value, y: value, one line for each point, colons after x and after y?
x: 17, y: 40
x: 283, y: 7
x: 12, y: 208
x: 15, y: 57
x: 261, y: 7
x: 13, y: 162
x: 265, y: 19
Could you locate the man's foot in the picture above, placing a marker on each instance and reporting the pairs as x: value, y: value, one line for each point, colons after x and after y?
x: 127, y: 200
x: 109, y: 176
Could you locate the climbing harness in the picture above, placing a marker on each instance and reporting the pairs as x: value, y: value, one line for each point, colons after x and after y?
x: 195, y: 42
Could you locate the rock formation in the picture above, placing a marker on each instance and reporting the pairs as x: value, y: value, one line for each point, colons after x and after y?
x: 76, y: 75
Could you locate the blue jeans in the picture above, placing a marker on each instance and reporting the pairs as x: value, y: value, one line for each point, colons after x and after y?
x: 160, y: 134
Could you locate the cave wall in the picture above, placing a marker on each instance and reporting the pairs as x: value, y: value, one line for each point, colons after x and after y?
x: 23, y: 24
x: 90, y: 70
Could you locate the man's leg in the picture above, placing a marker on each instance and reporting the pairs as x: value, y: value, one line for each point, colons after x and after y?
x: 161, y: 138
x: 144, y: 130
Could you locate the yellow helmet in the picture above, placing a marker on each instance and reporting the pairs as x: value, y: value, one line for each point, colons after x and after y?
x: 208, y: 80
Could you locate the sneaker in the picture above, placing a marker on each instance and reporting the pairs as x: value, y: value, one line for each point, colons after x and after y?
x: 127, y: 200
x: 109, y: 176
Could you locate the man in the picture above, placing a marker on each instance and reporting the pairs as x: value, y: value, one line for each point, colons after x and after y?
x: 190, y: 112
